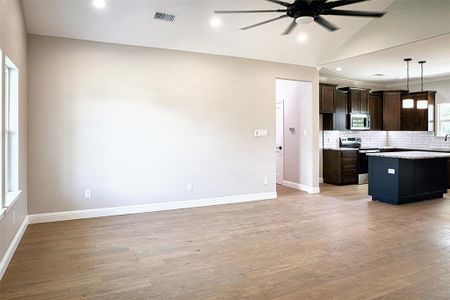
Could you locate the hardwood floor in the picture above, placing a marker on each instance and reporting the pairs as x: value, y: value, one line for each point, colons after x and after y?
x: 336, y: 245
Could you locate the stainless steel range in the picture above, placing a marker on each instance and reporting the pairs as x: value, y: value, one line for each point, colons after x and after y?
x: 363, y: 160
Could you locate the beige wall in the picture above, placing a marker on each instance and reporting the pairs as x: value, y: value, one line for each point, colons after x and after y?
x: 135, y: 124
x: 13, y: 42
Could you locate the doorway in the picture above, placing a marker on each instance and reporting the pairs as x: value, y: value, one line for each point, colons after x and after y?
x: 294, y: 165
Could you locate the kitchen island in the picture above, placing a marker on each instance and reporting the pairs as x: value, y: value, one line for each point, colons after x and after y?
x: 407, y: 176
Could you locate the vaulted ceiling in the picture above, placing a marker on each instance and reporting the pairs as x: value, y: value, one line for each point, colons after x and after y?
x: 131, y: 22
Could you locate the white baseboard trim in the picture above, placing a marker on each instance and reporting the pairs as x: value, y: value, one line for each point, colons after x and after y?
x: 321, y: 180
x: 135, y: 209
x: 302, y: 187
x: 12, y: 247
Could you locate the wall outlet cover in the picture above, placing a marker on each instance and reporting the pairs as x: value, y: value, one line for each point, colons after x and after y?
x: 87, y: 194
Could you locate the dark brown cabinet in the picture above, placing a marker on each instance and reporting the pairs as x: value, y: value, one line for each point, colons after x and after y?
x: 339, y: 119
x: 364, y: 100
x: 340, y: 167
x: 418, y: 118
x: 326, y: 98
x: 392, y: 108
x: 358, y: 100
x: 376, y: 111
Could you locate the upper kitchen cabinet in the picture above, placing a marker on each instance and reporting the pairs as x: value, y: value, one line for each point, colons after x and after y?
x: 418, y: 113
x: 338, y: 120
x: 392, y: 110
x: 327, y: 98
x: 376, y: 111
x: 358, y: 100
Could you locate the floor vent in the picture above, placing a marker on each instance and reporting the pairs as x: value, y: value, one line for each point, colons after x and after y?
x: 164, y: 17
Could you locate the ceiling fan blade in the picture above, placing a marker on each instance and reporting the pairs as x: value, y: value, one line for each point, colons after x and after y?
x: 341, y: 3
x: 264, y: 22
x: 319, y: 1
x: 290, y: 27
x: 328, y: 25
x: 279, y: 2
x: 354, y: 13
x: 249, y: 11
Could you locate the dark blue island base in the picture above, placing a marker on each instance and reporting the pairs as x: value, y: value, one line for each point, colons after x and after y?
x: 399, y: 181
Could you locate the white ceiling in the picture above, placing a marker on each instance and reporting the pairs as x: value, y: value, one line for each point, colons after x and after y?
x: 363, y: 47
x: 131, y: 22
x: 389, y: 62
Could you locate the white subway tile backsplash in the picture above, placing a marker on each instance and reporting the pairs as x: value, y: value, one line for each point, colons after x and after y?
x: 397, y: 139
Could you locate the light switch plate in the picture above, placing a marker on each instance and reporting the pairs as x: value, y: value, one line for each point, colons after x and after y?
x: 260, y: 132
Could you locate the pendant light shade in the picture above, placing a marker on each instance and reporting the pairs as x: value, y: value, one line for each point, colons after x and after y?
x: 407, y: 102
x: 422, y: 103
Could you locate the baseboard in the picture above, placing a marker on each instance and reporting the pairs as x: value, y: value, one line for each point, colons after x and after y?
x: 302, y: 187
x: 135, y: 209
x: 321, y: 180
x: 12, y: 247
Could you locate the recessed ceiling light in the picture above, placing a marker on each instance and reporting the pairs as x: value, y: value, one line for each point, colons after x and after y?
x: 215, y: 22
x: 99, y: 3
x: 302, y: 37
x: 338, y: 69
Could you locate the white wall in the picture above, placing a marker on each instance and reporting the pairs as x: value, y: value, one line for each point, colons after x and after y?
x: 13, y: 42
x: 296, y: 97
x: 135, y: 124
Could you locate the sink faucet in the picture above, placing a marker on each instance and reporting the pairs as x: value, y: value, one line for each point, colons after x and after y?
x: 446, y: 137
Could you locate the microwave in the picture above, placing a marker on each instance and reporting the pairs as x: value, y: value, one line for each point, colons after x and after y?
x: 359, y: 122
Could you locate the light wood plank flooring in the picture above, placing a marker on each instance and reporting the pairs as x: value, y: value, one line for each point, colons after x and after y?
x: 336, y: 245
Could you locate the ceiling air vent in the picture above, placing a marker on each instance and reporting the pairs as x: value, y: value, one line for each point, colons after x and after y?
x: 164, y: 17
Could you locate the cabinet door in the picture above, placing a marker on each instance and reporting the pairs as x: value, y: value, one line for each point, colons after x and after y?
x: 407, y: 116
x: 355, y: 101
x: 327, y: 99
x: 376, y: 111
x: 340, y: 111
x: 364, y: 99
x: 391, y: 111
x: 420, y: 119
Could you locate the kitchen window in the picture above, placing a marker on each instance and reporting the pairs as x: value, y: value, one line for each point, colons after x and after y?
x: 11, y: 134
x: 443, y: 127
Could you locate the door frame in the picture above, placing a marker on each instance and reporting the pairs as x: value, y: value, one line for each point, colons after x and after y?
x: 279, y: 176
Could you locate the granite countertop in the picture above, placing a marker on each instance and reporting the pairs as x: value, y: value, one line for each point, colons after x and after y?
x: 342, y: 149
x: 411, y: 155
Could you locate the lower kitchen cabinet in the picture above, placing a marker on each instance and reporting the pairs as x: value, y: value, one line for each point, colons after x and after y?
x: 340, y: 166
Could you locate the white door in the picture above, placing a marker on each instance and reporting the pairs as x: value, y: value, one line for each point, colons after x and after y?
x: 279, y: 139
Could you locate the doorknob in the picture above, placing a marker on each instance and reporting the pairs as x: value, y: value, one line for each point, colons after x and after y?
x: 279, y: 148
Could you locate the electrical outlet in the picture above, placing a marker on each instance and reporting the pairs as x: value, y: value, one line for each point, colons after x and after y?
x: 189, y: 187
x: 87, y: 194
x: 14, y: 217
x: 266, y: 180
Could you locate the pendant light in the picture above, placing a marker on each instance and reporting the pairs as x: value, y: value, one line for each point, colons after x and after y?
x: 407, y: 102
x: 422, y: 103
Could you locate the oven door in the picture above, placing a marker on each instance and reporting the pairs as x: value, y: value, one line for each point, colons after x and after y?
x: 359, y: 122
x: 363, y: 165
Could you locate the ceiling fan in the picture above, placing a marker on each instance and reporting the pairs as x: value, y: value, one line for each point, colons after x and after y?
x: 307, y: 11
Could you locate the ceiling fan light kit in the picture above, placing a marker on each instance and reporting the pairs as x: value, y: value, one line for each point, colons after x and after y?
x: 304, y: 20
x: 307, y: 11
